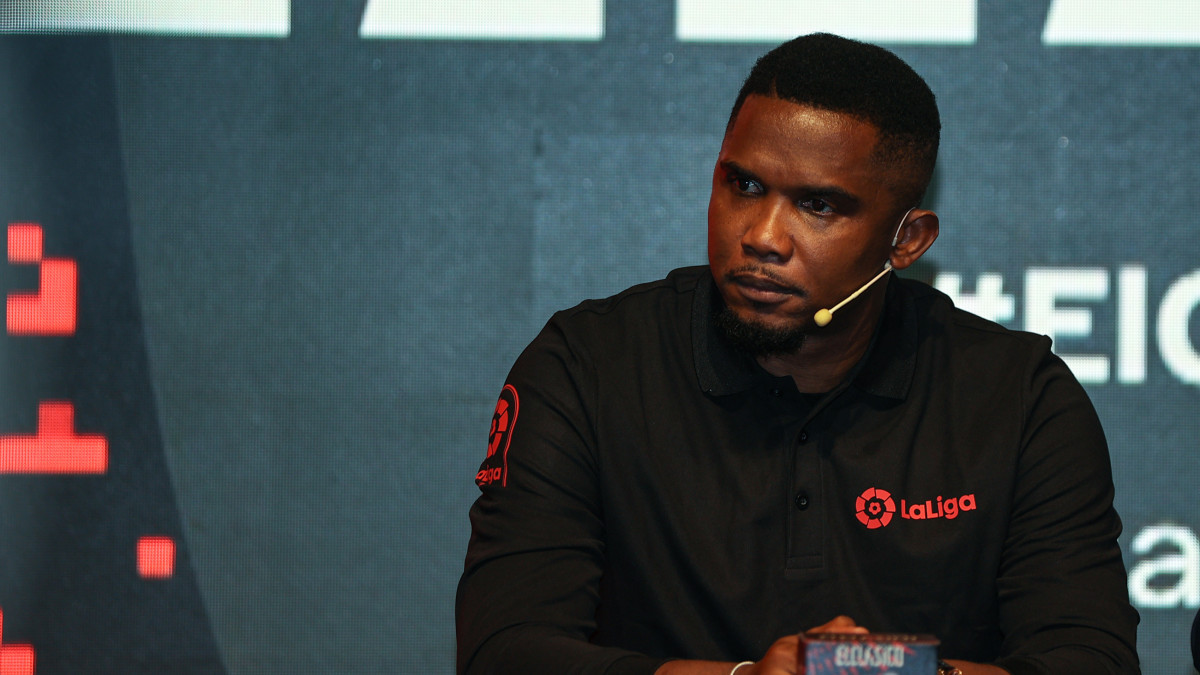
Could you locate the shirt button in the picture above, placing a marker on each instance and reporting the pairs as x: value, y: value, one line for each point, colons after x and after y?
x: 775, y: 392
x: 803, y: 438
x: 802, y: 500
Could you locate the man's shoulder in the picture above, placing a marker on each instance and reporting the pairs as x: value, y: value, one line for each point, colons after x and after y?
x: 937, y: 312
x: 641, y: 327
x: 649, y: 301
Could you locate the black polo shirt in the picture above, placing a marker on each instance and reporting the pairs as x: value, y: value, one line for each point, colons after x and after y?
x: 651, y: 493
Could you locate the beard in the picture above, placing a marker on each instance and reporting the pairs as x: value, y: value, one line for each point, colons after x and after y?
x: 756, y: 338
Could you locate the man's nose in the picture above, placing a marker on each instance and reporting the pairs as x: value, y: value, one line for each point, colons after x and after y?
x: 768, y: 237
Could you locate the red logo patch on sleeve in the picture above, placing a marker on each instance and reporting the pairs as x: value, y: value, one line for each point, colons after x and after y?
x: 495, y: 467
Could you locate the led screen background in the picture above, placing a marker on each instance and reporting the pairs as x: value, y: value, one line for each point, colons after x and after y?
x: 309, y: 250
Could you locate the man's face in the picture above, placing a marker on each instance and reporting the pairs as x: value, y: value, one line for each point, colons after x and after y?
x: 800, y: 214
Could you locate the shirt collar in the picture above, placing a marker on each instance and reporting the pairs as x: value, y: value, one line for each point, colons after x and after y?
x: 887, y: 369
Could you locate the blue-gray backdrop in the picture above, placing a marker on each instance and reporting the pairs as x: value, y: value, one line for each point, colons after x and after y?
x: 311, y: 237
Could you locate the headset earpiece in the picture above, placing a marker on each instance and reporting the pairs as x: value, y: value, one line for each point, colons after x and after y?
x: 900, y: 227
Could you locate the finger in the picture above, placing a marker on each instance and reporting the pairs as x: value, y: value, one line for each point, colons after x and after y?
x: 781, y: 658
x: 857, y: 629
x: 839, y: 624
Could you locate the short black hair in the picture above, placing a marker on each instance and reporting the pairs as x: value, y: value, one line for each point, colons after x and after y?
x: 864, y: 81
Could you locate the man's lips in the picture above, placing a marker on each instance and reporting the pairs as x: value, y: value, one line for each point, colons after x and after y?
x: 761, y: 288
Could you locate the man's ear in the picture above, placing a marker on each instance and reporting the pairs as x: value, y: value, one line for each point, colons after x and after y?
x: 917, y: 234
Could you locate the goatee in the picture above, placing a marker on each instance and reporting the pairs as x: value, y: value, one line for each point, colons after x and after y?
x: 755, y: 338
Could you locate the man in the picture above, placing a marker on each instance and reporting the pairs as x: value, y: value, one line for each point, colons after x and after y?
x: 1196, y: 641
x: 684, y: 476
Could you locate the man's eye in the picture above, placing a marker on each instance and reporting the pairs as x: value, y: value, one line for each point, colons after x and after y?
x: 818, y: 206
x: 746, y: 186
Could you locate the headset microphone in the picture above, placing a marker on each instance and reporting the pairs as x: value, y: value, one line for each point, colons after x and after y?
x: 824, y: 316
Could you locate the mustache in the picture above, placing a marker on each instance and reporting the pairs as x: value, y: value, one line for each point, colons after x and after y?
x: 756, y: 274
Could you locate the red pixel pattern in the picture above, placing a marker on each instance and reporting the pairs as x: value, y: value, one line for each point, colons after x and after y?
x: 14, y: 659
x: 56, y: 448
x: 155, y: 557
x: 51, y: 310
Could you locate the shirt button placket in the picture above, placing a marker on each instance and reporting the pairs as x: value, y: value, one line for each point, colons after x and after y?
x: 806, y: 525
x: 801, y: 500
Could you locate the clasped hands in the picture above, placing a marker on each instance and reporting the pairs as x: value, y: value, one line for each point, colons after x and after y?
x: 783, y: 657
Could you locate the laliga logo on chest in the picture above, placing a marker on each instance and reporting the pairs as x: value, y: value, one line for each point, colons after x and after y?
x: 875, y: 508
x: 948, y: 508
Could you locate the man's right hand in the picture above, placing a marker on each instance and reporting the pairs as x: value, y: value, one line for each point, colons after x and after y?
x: 784, y: 656
x: 781, y: 659
x: 839, y: 624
